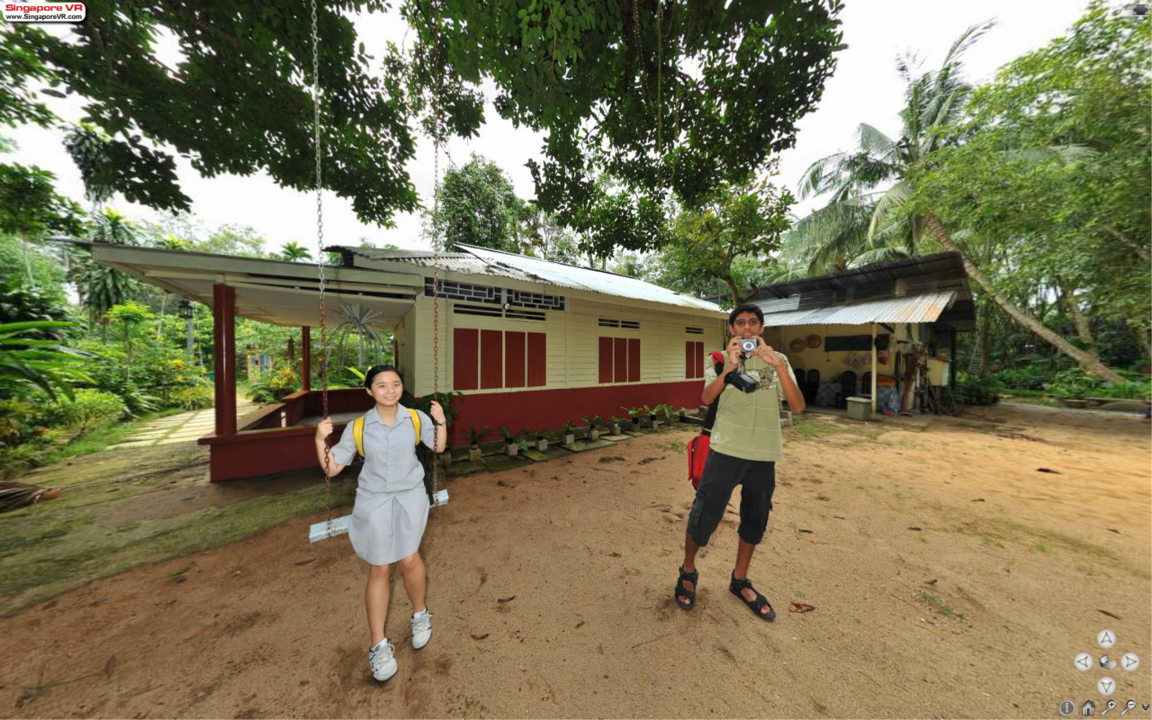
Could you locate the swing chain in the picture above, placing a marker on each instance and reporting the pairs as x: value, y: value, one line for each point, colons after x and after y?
x: 435, y: 251
x: 320, y: 261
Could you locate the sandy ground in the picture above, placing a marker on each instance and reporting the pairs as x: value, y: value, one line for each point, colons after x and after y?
x: 950, y: 578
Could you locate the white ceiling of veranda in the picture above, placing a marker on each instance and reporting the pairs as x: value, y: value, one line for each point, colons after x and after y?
x: 272, y: 291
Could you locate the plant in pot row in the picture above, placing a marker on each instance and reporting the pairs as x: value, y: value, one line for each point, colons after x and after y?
x: 514, y: 442
x: 593, y: 427
x: 541, y: 441
x: 569, y: 436
x: 616, y: 424
x: 474, y: 438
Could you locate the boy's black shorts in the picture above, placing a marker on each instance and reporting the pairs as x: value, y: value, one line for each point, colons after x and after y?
x: 722, y: 473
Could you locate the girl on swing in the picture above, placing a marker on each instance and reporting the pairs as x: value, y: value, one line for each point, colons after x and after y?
x: 391, y: 507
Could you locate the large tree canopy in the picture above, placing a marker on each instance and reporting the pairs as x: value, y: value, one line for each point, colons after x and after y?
x: 657, y: 95
x: 237, y: 101
x: 672, y: 94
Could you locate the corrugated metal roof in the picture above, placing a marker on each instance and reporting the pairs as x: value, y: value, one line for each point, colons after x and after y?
x: 941, y: 266
x: 483, y: 261
x: 912, y: 309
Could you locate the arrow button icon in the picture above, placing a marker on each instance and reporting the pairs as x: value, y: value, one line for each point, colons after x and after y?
x: 1145, y: 706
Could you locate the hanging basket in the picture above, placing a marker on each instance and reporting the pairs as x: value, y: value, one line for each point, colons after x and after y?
x: 813, y: 341
x: 796, y: 345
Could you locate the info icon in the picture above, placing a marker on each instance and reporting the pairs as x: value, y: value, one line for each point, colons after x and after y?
x: 1067, y: 708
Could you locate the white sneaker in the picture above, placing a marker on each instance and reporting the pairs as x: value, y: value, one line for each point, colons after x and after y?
x: 421, y: 628
x: 381, y: 660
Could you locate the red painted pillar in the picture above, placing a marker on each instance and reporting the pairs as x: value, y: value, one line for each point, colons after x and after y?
x: 224, y: 317
x: 305, y: 358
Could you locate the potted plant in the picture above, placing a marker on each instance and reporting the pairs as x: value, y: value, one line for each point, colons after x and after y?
x: 616, y: 424
x: 669, y: 411
x: 474, y: 438
x: 593, y: 429
x: 541, y: 441
x: 569, y: 437
x: 648, y: 417
x: 634, y: 414
x: 510, y: 445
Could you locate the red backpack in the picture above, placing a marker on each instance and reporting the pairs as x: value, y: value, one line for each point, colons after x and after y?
x: 698, y: 447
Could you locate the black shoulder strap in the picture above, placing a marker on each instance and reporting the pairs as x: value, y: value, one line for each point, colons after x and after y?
x: 710, y: 418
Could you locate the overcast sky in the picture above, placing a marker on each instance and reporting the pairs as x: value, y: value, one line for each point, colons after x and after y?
x: 864, y: 88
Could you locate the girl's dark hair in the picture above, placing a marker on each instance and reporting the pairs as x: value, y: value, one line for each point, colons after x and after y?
x: 376, y: 370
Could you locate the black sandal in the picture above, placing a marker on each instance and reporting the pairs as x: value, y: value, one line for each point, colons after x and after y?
x: 737, y: 585
x: 692, y: 577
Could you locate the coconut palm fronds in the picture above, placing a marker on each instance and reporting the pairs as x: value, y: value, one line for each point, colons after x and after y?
x: 15, y: 495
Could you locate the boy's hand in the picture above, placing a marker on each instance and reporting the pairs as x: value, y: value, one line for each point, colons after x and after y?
x: 768, y: 355
x: 324, y: 429
x: 733, y: 352
x: 437, y: 413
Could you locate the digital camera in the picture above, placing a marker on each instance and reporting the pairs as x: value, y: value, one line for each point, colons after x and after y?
x: 748, y: 346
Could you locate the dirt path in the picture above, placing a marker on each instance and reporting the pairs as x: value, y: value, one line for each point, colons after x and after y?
x: 950, y: 579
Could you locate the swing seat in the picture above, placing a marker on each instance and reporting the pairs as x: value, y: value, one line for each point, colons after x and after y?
x: 332, y: 528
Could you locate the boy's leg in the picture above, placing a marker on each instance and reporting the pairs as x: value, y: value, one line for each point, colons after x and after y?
x: 376, y: 601
x: 415, y: 580
x: 757, y: 487
x: 716, y: 485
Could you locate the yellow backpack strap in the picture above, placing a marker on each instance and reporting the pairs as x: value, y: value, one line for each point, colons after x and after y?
x: 415, y: 421
x: 358, y: 434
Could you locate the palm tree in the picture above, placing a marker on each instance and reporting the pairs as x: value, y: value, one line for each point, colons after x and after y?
x: 861, y: 223
x: 357, y: 321
x: 295, y: 252
x: 100, y: 287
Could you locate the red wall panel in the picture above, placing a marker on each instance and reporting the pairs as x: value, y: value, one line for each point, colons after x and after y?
x: 537, y: 359
x: 689, y: 360
x: 491, y: 359
x: 621, y: 360
x: 605, y: 359
x: 465, y: 359
x: 514, y: 359
x: 634, y: 360
x: 699, y: 360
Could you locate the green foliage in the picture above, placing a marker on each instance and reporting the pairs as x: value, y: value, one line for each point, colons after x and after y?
x: 1029, y: 377
x: 592, y: 420
x: 973, y: 389
x: 88, y: 410
x: 1056, y: 171
x: 30, y: 206
x: 744, y: 221
x: 424, y: 404
x: 1075, y: 383
x: 866, y: 220
x: 474, y: 435
x: 136, y: 104
x: 192, y: 397
x: 274, y: 385
x: 478, y: 206
x: 30, y: 361
x: 295, y: 252
x: 567, y: 427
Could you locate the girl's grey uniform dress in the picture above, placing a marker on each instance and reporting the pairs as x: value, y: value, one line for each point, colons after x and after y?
x: 391, y: 507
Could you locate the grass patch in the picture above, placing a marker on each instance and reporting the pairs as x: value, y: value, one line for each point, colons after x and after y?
x: 940, y: 605
x: 105, y: 437
x: 673, y: 446
x: 1043, y: 547
x: 990, y: 542
x: 71, y: 551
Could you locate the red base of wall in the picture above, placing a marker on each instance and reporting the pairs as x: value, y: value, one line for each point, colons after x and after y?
x: 272, y: 449
x: 548, y: 409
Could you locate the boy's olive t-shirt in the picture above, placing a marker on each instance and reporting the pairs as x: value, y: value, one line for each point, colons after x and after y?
x: 748, y: 424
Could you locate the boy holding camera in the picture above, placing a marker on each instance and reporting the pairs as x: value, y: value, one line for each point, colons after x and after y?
x: 745, y: 446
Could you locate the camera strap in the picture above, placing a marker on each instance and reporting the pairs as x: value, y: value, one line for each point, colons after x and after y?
x: 710, y: 418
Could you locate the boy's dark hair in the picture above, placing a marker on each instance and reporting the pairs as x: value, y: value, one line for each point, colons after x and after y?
x: 376, y: 370
x: 746, y: 308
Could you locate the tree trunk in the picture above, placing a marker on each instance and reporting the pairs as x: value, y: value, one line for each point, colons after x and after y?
x: 1141, y: 334
x: 1079, y: 320
x: 1131, y: 244
x: 1087, y: 360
